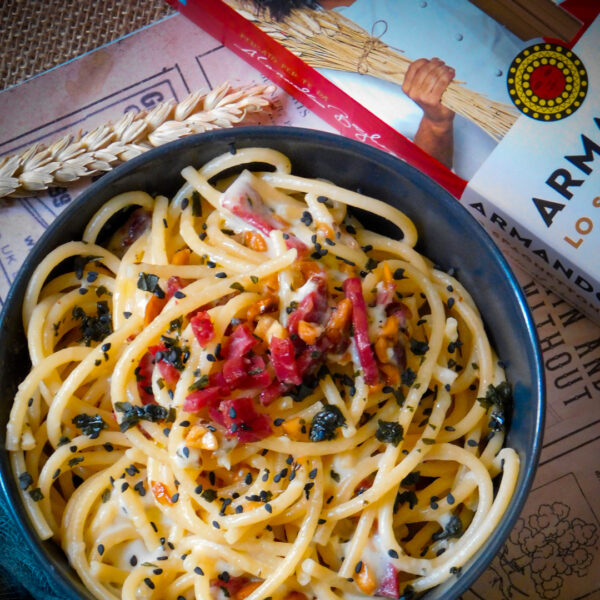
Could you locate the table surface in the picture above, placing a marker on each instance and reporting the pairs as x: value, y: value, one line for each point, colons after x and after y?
x: 68, y: 29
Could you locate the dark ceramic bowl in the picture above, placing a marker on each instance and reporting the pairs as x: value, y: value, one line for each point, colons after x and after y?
x: 448, y: 235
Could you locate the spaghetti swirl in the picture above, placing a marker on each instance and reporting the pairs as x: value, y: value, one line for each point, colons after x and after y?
x: 246, y: 394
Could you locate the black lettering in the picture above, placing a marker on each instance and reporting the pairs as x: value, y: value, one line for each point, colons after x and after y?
x: 585, y: 285
x: 589, y: 147
x: 567, y: 181
x: 547, y: 209
x: 592, y: 367
x: 542, y: 254
x: 587, y: 347
x: 526, y: 241
x: 584, y: 394
x: 558, y: 361
x: 552, y: 341
x: 538, y: 305
x: 478, y: 206
x: 570, y: 317
x: 549, y: 319
x: 530, y: 289
x: 559, y: 267
x: 499, y: 221
x: 561, y: 381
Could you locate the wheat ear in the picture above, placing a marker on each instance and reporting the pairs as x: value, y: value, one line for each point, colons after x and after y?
x: 76, y: 156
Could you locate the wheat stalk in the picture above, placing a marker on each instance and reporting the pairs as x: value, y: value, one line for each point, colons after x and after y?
x: 76, y: 156
x: 327, y: 39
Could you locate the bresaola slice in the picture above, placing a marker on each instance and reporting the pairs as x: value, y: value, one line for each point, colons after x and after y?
x: 353, y: 290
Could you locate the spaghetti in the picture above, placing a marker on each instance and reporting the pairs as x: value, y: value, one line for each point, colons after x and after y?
x: 246, y: 394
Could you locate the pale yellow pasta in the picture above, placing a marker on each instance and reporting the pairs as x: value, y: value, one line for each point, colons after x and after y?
x: 252, y: 396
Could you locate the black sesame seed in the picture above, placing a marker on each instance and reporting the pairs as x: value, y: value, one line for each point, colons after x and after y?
x: 179, y: 294
x: 149, y: 583
x: 268, y: 508
x: 392, y: 553
x: 216, y: 525
x: 100, y: 549
x: 133, y: 560
x: 221, y: 275
x: 358, y: 567
x: 198, y: 571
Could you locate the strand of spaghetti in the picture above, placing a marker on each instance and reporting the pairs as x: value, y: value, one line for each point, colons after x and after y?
x: 217, y: 255
x: 480, y: 528
x: 179, y: 586
x: 55, y: 465
x: 82, y: 371
x: 166, y: 271
x: 183, y: 512
x: 234, y: 523
x: 302, y: 541
x: 325, y: 576
x: 398, y: 248
x: 112, y: 207
x: 215, y: 234
x: 74, y: 520
x: 159, y: 226
x: 244, y: 561
x: 484, y: 356
x: 227, y: 161
x: 33, y: 509
x: 464, y: 545
x: 126, y: 296
x: 53, y: 259
x: 28, y: 386
x: 329, y: 190
x: 399, y: 472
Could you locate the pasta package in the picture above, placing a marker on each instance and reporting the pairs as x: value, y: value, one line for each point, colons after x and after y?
x: 243, y: 393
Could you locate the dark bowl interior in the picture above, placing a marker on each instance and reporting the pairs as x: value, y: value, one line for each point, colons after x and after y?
x: 448, y: 235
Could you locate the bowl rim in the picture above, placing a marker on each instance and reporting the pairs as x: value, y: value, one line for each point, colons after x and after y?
x: 482, y: 559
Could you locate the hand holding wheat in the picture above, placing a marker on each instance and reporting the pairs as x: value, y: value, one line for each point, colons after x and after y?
x: 75, y: 156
